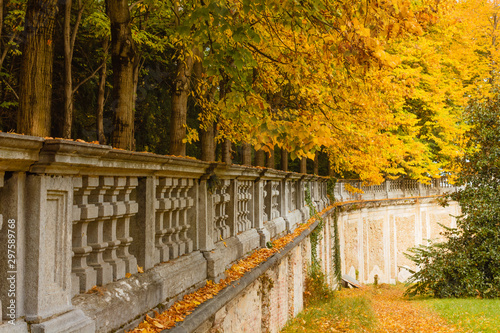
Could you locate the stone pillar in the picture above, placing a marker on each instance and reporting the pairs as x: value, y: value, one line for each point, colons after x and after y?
x: 2, y: 242
x: 283, y: 203
x: 268, y: 200
x: 192, y: 216
x: 49, y: 203
x: 205, y: 218
x: 232, y: 207
x: 143, y: 230
x: 258, y: 212
x: 12, y: 209
x: 301, y: 200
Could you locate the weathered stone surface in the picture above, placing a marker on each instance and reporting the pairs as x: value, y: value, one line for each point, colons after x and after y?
x: 124, y: 300
x: 249, y: 240
x: 70, y: 322
x: 19, y: 326
x: 48, y: 261
x: 225, y: 253
x: 276, y: 227
x: 375, y: 238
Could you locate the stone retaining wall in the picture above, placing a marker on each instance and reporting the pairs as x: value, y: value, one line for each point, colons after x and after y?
x: 375, y: 235
x: 88, y: 218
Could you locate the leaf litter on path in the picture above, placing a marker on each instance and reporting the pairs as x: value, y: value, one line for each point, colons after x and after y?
x: 397, y: 314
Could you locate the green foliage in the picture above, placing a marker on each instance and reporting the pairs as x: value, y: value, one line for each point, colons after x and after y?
x: 468, y: 263
x: 316, y: 233
x: 337, y: 262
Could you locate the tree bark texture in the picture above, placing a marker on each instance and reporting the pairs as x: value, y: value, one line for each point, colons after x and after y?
x: 246, y: 154
x: 1, y: 28
x: 207, y: 135
x: 101, y: 94
x: 123, y: 56
x: 260, y: 158
x: 68, y: 81
x: 316, y: 163
x: 270, y: 160
x: 303, y: 165
x: 35, y: 78
x: 284, y: 160
x: 179, y: 107
x: 226, y: 151
x: 208, y: 143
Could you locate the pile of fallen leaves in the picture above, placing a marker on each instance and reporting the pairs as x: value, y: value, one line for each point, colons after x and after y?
x: 181, y: 309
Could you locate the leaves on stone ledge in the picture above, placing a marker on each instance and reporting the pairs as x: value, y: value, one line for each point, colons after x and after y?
x: 181, y: 309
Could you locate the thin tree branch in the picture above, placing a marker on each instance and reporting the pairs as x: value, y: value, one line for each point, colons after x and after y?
x: 135, y: 4
x: 87, y: 78
x: 13, y: 91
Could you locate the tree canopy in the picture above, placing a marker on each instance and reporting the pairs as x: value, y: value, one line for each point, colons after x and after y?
x: 378, y: 86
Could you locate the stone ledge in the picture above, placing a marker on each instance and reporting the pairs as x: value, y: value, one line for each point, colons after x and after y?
x: 125, y: 300
x: 20, y: 326
x: 206, y: 310
x: 71, y: 322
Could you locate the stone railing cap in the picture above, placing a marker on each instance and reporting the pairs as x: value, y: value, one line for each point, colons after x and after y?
x: 18, y: 152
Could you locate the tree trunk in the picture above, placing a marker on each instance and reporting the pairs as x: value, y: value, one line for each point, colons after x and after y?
x: 303, y: 165
x: 35, y: 78
x: 207, y: 136
x: 246, y: 154
x: 260, y: 158
x: 1, y: 27
x: 101, y: 93
x: 331, y: 172
x: 69, y: 47
x: 123, y: 56
x: 67, y: 80
x: 316, y: 163
x: 270, y: 160
x: 284, y: 160
x: 208, y: 143
x: 226, y: 151
x: 179, y: 107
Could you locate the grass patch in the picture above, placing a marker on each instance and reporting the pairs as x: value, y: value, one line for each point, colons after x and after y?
x: 334, y: 314
x: 326, y: 311
x: 470, y: 314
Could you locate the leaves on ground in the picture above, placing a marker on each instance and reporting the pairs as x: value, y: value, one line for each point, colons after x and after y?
x: 380, y: 309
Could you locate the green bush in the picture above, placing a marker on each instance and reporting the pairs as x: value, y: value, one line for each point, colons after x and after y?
x: 468, y: 262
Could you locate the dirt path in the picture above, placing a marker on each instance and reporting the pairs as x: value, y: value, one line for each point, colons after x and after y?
x: 396, y: 314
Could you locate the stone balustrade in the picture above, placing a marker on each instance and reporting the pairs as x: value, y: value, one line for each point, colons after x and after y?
x: 88, y: 215
x: 391, y: 188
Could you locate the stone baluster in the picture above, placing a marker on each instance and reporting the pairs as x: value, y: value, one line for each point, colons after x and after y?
x: 110, y: 227
x: 293, y: 196
x: 123, y: 228
x: 244, y: 196
x: 174, y: 243
x: 221, y: 199
x: 163, y: 207
x: 185, y: 204
x: 266, y: 203
x: 84, y: 276
x: 96, y: 232
x: 275, y: 204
